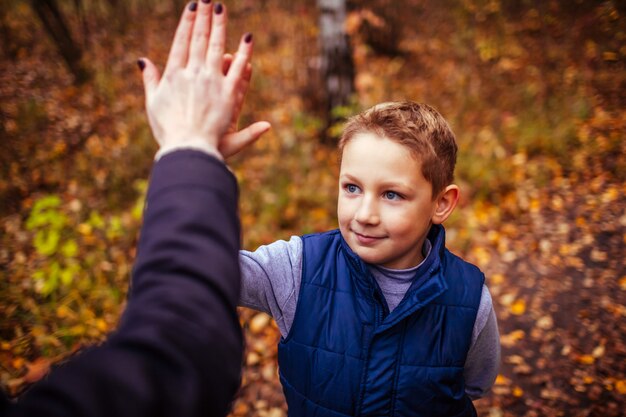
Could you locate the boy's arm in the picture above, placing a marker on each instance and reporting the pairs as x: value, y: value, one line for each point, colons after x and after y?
x: 270, y: 280
x: 483, y: 359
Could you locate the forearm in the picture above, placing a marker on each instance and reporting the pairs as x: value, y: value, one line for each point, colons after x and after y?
x: 483, y: 360
x: 178, y: 348
x: 270, y: 280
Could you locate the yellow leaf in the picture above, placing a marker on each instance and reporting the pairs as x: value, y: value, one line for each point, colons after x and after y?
x: 502, y: 380
x: 508, y: 340
x: 253, y: 358
x: 319, y: 214
x: 84, y: 229
x: 535, y: 205
x: 610, y: 195
x: 586, y: 359
x: 77, y: 330
x: 620, y: 386
x: 482, y: 256
x: 497, y: 279
x: 622, y: 283
x: 101, y: 325
x: 518, y: 392
x: 598, y: 352
x: 259, y: 322
x: 518, y: 307
x: 63, y: 311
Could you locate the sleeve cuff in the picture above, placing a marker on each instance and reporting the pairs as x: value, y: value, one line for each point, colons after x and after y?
x: 197, y: 146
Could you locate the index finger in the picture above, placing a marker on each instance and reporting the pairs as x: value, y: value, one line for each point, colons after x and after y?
x: 180, y: 45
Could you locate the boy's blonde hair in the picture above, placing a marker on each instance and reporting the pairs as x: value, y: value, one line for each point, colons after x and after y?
x: 417, y: 126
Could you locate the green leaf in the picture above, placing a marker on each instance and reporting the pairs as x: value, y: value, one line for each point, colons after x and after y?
x: 39, y: 213
x: 115, y: 228
x: 96, y: 220
x: 67, y: 275
x: 69, y: 249
x: 47, y: 242
x: 51, y: 283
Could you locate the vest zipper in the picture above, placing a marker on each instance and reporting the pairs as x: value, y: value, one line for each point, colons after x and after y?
x: 396, y: 378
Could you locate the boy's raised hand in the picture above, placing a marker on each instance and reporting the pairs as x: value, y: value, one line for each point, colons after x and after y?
x: 235, y: 140
x: 201, y: 91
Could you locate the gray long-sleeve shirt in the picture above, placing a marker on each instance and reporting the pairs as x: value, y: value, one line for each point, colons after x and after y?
x: 271, y: 278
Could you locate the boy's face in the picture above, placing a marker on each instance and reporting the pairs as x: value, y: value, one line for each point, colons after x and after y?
x: 385, y: 204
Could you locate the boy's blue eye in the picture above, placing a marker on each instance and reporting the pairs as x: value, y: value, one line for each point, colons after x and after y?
x: 390, y: 195
x: 351, y: 188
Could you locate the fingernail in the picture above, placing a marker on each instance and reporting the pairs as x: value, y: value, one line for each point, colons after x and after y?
x: 219, y: 8
x: 248, y: 37
x: 141, y: 64
x: 193, y: 6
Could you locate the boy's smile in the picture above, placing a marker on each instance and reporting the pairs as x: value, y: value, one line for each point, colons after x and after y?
x: 385, y: 207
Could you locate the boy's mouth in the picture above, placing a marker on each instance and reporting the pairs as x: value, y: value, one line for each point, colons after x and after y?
x: 366, y: 239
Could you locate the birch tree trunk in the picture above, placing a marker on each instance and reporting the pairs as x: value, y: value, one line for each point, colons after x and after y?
x: 336, y: 65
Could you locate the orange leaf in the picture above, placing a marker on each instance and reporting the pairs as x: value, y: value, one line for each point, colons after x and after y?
x: 586, y: 359
x: 36, y: 370
x: 518, y: 307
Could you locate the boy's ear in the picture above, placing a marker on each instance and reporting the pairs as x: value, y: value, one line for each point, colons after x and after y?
x: 445, y: 203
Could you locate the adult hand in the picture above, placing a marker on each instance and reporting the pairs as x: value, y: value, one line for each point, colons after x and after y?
x: 193, y: 104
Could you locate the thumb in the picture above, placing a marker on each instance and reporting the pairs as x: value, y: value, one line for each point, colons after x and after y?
x: 151, y: 76
x: 235, y: 142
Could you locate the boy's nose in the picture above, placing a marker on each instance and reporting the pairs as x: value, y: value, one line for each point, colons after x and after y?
x: 367, y: 212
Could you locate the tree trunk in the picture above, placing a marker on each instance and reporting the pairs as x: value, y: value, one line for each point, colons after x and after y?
x: 120, y: 13
x: 79, y: 7
x: 6, y: 38
x: 336, y: 65
x: 53, y: 21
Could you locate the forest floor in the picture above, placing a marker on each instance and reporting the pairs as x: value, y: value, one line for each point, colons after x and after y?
x: 536, y: 99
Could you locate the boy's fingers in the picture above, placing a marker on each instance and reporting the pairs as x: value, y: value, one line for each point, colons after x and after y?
x: 217, y: 39
x: 241, y: 61
x: 200, y: 35
x: 247, y: 72
x: 151, y: 76
x: 228, y: 59
x: 237, y: 141
x: 180, y: 46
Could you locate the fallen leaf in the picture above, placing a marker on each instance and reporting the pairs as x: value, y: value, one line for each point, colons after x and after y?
x: 36, y: 370
x: 585, y: 359
x: 518, y: 307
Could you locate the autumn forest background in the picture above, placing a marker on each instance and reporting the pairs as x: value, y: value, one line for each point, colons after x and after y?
x: 535, y: 91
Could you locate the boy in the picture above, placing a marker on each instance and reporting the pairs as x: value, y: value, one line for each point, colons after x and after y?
x: 378, y: 318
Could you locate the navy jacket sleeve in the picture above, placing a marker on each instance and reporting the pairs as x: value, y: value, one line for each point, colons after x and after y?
x: 178, y: 348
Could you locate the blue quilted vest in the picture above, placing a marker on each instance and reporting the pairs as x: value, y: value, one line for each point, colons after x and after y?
x: 346, y: 355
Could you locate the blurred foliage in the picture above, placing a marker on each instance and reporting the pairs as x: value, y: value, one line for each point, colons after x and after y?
x: 533, y: 89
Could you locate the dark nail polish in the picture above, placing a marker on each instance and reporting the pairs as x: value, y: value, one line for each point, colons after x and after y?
x: 219, y: 8
x: 141, y: 64
x: 206, y: 1
x: 248, y: 37
x: 193, y: 6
